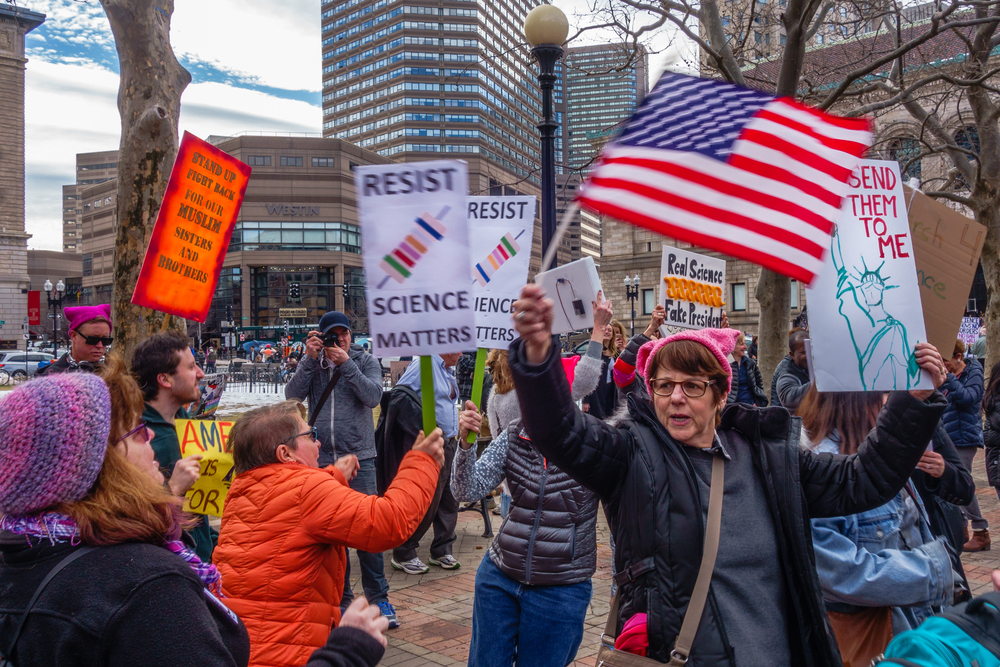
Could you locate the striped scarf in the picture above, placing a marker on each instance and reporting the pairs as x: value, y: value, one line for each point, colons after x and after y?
x: 58, y: 527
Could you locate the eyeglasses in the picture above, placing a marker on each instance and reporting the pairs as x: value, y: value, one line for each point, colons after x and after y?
x: 141, y: 428
x: 94, y: 340
x: 691, y: 388
x: 313, y: 432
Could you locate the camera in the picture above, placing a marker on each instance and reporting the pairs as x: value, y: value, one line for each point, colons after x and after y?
x: 330, y: 339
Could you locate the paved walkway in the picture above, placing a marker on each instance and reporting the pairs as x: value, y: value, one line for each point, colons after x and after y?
x: 436, y: 608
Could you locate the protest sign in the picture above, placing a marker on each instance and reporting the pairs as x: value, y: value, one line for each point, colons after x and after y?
x: 864, y: 306
x: 946, y: 248
x: 192, y: 230
x: 500, y: 235
x: 209, y: 439
x: 968, y: 331
x: 573, y: 287
x: 692, y: 289
x: 416, y: 257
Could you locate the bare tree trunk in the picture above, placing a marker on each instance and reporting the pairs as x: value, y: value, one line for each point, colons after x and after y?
x: 149, y: 100
x: 991, y: 272
x: 774, y: 294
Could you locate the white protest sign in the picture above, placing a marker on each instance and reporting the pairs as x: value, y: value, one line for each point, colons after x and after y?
x: 692, y: 289
x: 574, y: 288
x: 416, y: 255
x: 865, y: 315
x: 501, y: 231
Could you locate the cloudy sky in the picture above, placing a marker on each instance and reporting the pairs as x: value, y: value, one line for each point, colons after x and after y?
x: 255, y: 66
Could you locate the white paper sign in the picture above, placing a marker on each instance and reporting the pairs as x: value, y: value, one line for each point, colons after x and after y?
x: 416, y: 254
x: 501, y: 231
x: 865, y: 315
x: 573, y: 287
x: 692, y: 289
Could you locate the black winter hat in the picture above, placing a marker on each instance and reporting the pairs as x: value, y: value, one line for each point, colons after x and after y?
x: 332, y: 319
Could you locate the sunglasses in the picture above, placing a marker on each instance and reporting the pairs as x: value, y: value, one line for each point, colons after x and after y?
x: 314, y: 432
x: 94, y: 340
x: 141, y: 428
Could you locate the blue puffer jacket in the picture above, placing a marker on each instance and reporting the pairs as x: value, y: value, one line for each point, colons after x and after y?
x: 965, y: 396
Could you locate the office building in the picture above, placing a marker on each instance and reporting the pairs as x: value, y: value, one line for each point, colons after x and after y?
x: 91, y: 169
x: 297, y: 228
x: 437, y: 80
x: 15, y: 23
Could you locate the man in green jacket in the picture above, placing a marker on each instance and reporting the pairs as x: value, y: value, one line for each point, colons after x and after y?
x: 168, y: 376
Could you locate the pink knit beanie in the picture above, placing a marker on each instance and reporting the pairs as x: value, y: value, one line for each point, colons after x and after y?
x: 78, y: 315
x: 55, y: 433
x: 720, y: 342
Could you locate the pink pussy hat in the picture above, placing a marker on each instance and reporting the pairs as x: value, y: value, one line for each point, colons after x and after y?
x: 720, y: 342
x: 77, y: 315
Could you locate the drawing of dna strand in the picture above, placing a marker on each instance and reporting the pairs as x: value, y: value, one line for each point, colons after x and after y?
x: 507, y: 248
x: 400, y: 261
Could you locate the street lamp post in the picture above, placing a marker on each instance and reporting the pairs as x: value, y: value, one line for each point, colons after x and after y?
x: 546, y: 29
x: 55, y: 304
x: 632, y: 293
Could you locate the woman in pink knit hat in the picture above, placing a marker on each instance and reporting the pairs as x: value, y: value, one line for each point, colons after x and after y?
x: 760, y: 603
x: 89, y: 339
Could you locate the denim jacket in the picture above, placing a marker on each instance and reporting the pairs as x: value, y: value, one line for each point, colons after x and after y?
x: 883, y: 557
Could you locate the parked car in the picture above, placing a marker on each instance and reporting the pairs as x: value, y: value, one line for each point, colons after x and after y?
x: 21, y: 365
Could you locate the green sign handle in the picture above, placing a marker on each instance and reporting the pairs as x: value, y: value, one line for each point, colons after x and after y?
x: 477, y: 386
x: 427, y: 393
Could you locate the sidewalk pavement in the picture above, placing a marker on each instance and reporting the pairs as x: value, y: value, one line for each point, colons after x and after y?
x: 435, y: 609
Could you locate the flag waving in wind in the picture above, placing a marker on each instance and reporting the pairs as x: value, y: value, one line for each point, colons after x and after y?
x: 731, y: 169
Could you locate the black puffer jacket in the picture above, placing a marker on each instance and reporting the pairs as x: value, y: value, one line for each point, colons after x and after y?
x: 648, y: 487
x: 549, y: 537
x: 991, y: 437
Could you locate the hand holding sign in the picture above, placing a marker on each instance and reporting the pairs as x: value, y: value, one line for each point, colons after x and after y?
x: 203, y: 443
x: 186, y: 472
x: 533, y: 316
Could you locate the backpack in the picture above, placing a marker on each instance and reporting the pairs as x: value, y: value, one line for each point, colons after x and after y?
x: 966, y: 635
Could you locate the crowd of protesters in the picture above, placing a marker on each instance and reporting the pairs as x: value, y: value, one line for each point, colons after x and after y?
x: 829, y: 523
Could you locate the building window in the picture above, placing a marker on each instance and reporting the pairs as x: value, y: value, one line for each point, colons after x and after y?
x: 322, y: 162
x: 795, y: 295
x: 648, y: 301
x: 88, y: 264
x: 291, y: 161
x: 739, y: 296
x: 906, y: 152
x: 259, y: 160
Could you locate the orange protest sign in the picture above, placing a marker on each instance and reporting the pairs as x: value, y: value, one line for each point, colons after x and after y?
x: 192, y: 231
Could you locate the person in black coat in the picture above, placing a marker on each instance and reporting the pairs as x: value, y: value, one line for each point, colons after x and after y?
x: 652, y: 472
x: 991, y: 430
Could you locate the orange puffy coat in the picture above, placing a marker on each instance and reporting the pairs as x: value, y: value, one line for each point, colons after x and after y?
x: 281, y: 547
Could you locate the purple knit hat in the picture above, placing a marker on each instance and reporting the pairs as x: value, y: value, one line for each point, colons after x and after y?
x: 720, y: 342
x: 55, y: 433
x: 78, y: 315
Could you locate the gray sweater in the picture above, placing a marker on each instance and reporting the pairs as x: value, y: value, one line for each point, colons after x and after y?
x: 345, y: 422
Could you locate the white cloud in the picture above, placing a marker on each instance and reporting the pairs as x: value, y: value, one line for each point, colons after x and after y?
x: 72, y: 109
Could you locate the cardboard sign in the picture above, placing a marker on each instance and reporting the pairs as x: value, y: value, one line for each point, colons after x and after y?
x: 864, y: 306
x: 416, y: 256
x: 692, y: 289
x: 574, y: 288
x: 208, y: 438
x: 192, y: 230
x: 946, y: 247
x: 500, y: 234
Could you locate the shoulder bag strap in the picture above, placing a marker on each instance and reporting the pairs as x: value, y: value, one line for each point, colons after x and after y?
x: 34, y: 598
x: 325, y: 395
x: 692, y: 617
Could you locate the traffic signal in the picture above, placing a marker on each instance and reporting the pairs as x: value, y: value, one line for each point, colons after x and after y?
x: 293, y: 290
x: 347, y: 291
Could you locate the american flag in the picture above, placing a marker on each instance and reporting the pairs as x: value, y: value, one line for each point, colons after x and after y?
x: 733, y: 170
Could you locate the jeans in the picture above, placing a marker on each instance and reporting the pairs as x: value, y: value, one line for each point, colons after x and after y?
x: 372, y: 566
x: 442, y: 514
x: 532, y: 626
x: 971, y: 512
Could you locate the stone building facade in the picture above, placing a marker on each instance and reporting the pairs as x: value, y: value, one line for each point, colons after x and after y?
x: 15, y: 23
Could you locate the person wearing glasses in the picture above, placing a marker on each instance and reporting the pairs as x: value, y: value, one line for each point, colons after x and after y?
x: 346, y: 426
x: 168, y: 376
x: 89, y: 340
x: 287, y: 522
x: 652, y: 472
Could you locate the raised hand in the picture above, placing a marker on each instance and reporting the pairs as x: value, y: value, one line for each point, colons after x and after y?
x: 655, y: 322
x: 468, y: 420
x: 929, y: 359
x: 348, y: 465
x: 186, y: 472
x: 432, y: 444
x: 533, y: 316
x: 367, y: 618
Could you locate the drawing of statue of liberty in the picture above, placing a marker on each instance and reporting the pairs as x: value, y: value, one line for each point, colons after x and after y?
x: 880, y: 340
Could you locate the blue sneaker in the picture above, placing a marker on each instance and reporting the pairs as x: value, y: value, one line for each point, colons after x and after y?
x: 389, y: 613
